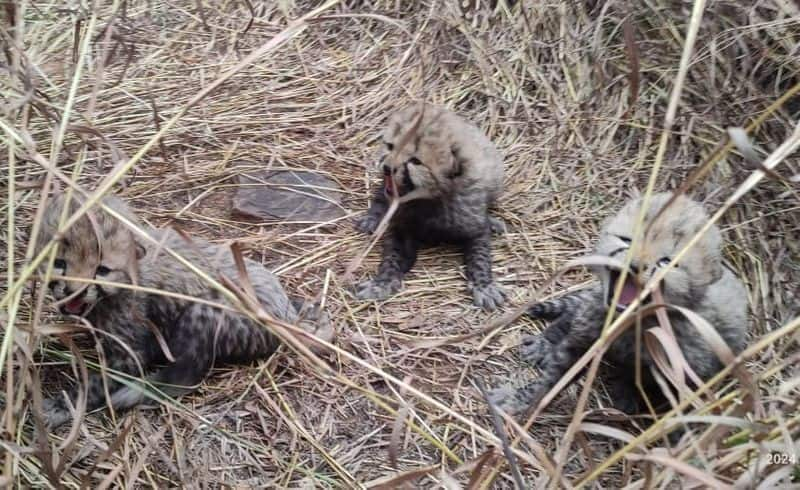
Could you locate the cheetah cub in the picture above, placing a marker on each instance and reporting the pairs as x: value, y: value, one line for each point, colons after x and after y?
x: 446, y: 176
x: 699, y: 282
x: 173, y: 341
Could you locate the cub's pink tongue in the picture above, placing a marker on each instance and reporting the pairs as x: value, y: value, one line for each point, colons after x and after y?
x: 74, y: 306
x: 629, y: 292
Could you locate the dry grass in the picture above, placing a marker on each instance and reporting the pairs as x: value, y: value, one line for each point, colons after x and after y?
x: 576, y: 95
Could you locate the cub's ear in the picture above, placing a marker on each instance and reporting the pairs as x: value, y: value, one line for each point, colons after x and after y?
x: 140, y: 250
x: 710, y: 249
x: 717, y: 268
x: 709, y: 272
x: 457, y: 163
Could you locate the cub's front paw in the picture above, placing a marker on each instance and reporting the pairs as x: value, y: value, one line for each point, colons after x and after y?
x: 497, y: 226
x: 534, y: 348
x: 377, y: 288
x: 507, y: 399
x: 489, y: 297
x: 54, y: 413
x: 367, y: 223
x: 318, y: 323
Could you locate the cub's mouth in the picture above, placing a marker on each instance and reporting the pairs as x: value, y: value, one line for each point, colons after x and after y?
x: 75, y: 306
x: 630, y: 290
x: 403, y: 186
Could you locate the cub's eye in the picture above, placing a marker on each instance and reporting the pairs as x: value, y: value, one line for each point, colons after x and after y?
x: 60, y: 264
x: 102, y: 270
x: 414, y: 161
x: 389, y: 146
x: 664, y: 261
x: 625, y: 240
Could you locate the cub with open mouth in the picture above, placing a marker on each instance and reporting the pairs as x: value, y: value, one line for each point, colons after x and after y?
x: 698, y: 281
x: 173, y: 329
x: 447, y: 174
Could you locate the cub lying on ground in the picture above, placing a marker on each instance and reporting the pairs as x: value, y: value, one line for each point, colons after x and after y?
x: 699, y: 282
x: 129, y: 322
x: 447, y: 176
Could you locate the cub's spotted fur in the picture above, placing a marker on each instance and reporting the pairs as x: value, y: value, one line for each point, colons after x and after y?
x: 446, y: 176
x: 129, y: 322
x: 699, y: 282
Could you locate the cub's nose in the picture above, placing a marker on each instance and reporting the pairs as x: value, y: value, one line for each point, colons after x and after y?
x: 386, y: 170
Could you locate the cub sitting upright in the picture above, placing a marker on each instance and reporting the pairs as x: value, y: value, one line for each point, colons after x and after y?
x: 135, y: 327
x: 446, y: 175
x: 699, y: 282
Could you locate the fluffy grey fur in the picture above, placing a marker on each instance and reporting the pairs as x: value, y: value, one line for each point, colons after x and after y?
x: 700, y: 282
x: 447, y: 176
x: 197, y: 335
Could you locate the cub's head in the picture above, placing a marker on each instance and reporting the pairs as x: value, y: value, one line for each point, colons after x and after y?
x: 427, y: 164
x: 96, y: 247
x: 665, y: 235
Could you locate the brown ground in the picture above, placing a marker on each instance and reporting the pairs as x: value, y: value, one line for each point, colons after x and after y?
x: 554, y: 85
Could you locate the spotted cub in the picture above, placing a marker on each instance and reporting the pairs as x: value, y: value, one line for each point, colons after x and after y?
x: 699, y: 282
x: 446, y: 175
x: 172, y: 340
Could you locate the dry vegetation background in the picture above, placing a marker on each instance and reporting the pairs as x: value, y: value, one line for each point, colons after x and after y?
x: 578, y: 111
